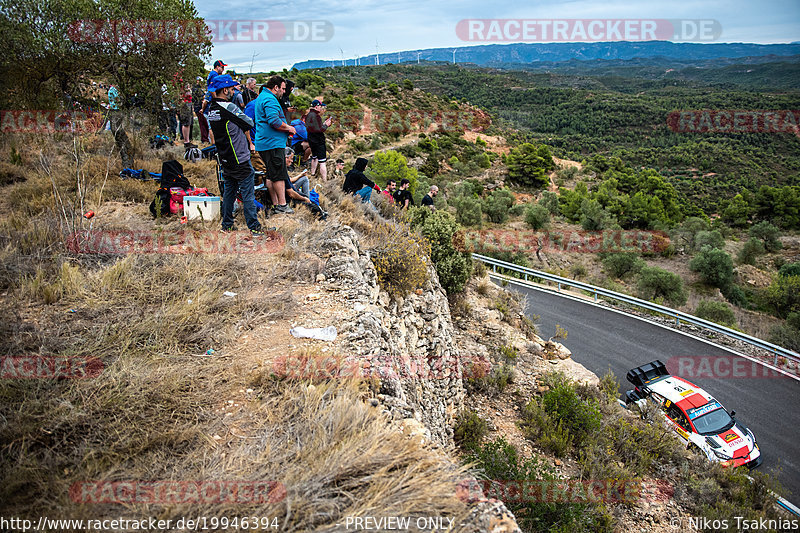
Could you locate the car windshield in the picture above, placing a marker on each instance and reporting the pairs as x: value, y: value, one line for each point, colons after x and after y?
x: 713, y: 422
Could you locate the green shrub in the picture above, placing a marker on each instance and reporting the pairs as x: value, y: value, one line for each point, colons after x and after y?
x: 786, y: 336
x: 592, y: 215
x: 482, y: 160
x: 735, y: 295
x: 714, y: 266
x: 393, y: 165
x: 750, y: 252
x: 783, y: 295
x: 468, y: 210
x: 537, y: 216
x: 517, y: 210
x: 469, y: 430
x: 768, y: 235
x: 452, y: 267
x: 713, y: 239
x: 789, y: 269
x: 578, y: 271
x: 529, y: 165
x: 621, y: 264
x: 498, y: 203
x: 500, y: 462
x: 656, y: 282
x: 549, y: 201
x: 717, y: 312
x: 408, y: 85
x: 563, y: 404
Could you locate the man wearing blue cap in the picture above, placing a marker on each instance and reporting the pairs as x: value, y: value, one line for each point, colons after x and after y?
x: 231, y: 131
x: 219, y: 68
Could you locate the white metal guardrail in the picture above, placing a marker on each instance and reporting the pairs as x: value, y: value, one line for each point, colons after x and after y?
x: 777, y: 351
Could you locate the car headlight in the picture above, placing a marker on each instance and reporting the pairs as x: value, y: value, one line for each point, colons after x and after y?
x: 752, y: 436
x: 720, y: 454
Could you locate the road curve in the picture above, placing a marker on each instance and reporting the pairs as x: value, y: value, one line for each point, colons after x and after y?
x: 601, y: 339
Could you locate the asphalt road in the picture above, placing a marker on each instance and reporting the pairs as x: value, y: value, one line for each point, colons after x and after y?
x: 601, y: 339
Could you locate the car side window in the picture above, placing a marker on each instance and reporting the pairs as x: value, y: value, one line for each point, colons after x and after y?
x: 677, y: 415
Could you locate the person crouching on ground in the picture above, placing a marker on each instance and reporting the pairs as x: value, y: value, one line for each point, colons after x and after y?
x: 355, y: 182
x: 230, y: 127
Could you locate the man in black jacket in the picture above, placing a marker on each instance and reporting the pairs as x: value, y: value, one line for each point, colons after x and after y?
x: 355, y: 182
x: 403, y: 196
x: 231, y: 128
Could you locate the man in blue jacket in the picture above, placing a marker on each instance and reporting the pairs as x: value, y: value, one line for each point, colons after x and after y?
x: 230, y: 127
x: 273, y: 130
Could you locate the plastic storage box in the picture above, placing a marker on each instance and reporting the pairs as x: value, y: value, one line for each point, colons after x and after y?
x: 205, y: 207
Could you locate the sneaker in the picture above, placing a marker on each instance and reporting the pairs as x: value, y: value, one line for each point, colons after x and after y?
x: 228, y: 230
x: 257, y: 232
x: 285, y: 209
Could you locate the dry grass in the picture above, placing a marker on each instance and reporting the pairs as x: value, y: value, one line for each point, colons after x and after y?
x: 153, y: 412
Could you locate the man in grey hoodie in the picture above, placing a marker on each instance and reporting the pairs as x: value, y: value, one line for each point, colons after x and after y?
x: 231, y: 129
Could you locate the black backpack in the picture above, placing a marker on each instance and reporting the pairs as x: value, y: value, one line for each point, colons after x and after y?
x: 171, y: 176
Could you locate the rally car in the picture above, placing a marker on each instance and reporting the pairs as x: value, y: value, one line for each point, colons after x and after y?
x: 699, y: 420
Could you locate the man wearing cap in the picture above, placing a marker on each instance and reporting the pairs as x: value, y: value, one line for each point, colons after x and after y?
x: 273, y: 131
x: 219, y: 67
x: 316, y: 138
x: 230, y: 127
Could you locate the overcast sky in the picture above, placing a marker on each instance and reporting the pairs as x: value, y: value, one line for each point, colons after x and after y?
x: 349, y: 27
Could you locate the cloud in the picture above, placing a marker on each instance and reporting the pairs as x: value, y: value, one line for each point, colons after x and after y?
x: 418, y: 24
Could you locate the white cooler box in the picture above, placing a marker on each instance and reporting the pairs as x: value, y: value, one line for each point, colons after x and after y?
x: 209, y: 206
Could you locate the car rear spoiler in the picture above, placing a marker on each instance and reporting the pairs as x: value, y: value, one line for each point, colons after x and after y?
x: 644, y: 374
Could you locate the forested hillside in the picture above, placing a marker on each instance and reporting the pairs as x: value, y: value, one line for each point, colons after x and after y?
x: 581, y: 116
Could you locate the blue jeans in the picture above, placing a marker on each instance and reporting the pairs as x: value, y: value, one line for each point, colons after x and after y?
x: 239, y: 179
x: 365, y: 193
x: 301, y: 185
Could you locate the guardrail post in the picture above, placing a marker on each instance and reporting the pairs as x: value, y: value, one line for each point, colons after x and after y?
x: 559, y: 287
x: 677, y: 321
x: 776, y: 358
x: 595, y: 296
x: 526, y: 277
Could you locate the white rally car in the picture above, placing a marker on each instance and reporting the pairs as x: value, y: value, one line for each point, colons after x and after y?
x: 699, y: 420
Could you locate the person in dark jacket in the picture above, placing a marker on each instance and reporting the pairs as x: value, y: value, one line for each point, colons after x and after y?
x: 286, y: 105
x: 231, y: 129
x: 355, y: 182
x: 316, y: 127
x: 403, y: 196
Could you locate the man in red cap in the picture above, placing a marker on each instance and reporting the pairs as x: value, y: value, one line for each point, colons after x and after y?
x: 218, y: 69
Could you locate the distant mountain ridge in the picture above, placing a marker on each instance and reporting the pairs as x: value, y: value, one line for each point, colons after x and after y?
x: 501, y: 55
